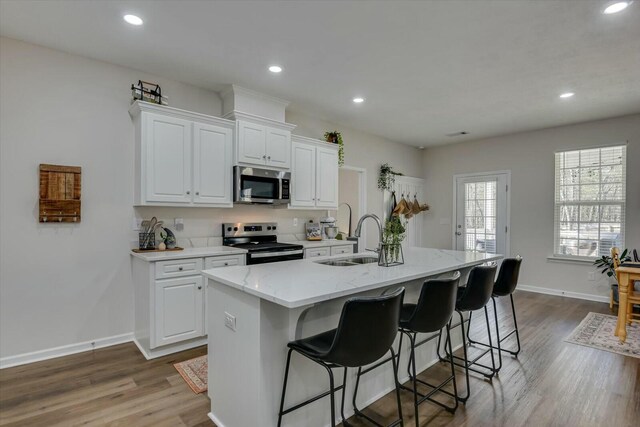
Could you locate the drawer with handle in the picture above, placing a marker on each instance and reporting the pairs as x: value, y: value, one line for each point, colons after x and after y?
x: 339, y: 250
x: 178, y: 268
x: 223, y: 261
x: 316, y: 252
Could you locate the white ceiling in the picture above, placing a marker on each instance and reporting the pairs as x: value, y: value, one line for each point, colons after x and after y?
x: 426, y: 68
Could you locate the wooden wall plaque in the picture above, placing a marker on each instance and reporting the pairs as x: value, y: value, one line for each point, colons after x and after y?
x: 60, y: 193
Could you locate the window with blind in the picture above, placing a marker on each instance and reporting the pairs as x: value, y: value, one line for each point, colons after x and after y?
x: 590, y: 201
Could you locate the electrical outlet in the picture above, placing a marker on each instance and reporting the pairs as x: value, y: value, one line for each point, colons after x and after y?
x: 295, y: 222
x: 230, y: 321
x: 178, y: 223
x: 137, y: 223
x: 591, y: 276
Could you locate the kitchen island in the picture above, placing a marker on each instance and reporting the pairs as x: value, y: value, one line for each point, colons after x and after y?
x: 254, y: 311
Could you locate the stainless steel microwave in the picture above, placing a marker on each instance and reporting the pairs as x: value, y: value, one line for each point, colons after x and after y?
x: 266, y: 186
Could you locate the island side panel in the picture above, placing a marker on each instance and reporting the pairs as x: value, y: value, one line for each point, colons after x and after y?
x: 233, y: 356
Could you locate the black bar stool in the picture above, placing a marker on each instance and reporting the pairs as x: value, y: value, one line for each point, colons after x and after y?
x: 505, y: 285
x: 366, y: 331
x: 430, y: 315
x: 474, y: 296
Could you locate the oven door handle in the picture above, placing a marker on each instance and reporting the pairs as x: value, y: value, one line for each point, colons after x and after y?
x: 271, y: 254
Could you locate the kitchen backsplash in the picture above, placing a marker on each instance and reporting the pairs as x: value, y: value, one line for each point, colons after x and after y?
x: 203, y: 227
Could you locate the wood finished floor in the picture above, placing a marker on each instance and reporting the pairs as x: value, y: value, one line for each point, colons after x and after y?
x: 552, y: 383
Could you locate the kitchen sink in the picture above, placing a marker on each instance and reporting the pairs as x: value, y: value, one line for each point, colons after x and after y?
x: 349, y: 262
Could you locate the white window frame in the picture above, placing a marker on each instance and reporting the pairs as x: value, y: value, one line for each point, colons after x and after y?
x: 623, y: 203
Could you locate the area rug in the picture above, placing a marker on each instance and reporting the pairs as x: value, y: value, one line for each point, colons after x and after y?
x: 596, y: 330
x: 194, y: 372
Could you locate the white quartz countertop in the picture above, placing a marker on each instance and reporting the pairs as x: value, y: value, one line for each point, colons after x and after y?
x: 188, y: 253
x: 302, y: 282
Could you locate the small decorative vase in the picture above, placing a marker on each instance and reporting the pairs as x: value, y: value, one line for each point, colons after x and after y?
x: 162, y: 246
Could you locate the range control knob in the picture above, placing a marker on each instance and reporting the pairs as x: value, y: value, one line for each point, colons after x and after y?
x: 235, y: 228
x: 269, y: 227
x: 228, y: 228
x: 274, y: 227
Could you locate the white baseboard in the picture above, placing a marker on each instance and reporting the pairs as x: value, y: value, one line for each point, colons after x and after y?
x: 65, y: 350
x: 560, y: 292
x: 215, y: 419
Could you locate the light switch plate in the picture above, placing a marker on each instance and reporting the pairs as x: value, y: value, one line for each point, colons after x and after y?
x: 178, y: 223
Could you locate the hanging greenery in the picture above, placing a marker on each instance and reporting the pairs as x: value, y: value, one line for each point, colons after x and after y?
x: 336, y: 138
x: 387, y: 177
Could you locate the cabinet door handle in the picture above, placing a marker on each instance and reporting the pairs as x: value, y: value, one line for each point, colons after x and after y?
x: 199, y: 287
x: 197, y: 193
x: 264, y: 157
x: 180, y: 268
x: 188, y: 192
x: 226, y: 263
x: 268, y: 157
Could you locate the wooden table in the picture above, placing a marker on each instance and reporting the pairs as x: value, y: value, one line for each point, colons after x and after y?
x: 626, y: 277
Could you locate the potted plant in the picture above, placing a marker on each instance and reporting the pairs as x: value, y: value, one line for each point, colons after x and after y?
x: 387, y: 177
x: 606, y: 266
x: 393, y: 234
x: 335, y: 137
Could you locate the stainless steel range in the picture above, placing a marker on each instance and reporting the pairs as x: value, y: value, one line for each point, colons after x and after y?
x: 261, y: 240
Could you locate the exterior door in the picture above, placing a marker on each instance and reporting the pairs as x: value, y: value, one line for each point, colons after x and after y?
x: 212, y: 157
x: 168, y: 159
x: 481, y: 213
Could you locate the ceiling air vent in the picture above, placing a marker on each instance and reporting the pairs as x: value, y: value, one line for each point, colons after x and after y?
x: 461, y: 133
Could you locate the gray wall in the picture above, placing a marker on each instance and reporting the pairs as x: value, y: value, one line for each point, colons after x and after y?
x: 530, y: 157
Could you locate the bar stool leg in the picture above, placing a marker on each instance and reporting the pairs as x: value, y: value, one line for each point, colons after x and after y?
x: 412, y: 362
x: 344, y: 392
x: 332, y: 395
x: 395, y: 369
x: 495, y: 316
x: 493, y: 362
x: 453, y: 368
x: 515, y: 323
x: 284, y: 386
x: 466, y: 359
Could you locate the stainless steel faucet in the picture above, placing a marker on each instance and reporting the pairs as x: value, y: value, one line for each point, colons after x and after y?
x: 377, y: 220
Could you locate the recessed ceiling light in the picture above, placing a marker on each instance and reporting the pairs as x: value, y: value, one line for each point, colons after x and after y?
x: 133, y: 19
x: 616, y: 7
x: 567, y: 95
x: 421, y: 148
x: 358, y: 100
x: 275, y: 69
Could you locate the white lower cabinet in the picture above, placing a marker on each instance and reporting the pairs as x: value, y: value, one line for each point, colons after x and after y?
x: 317, y: 252
x: 179, y: 310
x: 171, y: 304
x: 339, y: 250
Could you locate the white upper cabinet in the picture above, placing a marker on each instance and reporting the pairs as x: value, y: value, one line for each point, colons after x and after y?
x: 303, y: 175
x: 278, y: 148
x: 314, y: 174
x: 212, y: 160
x: 182, y: 158
x: 168, y: 159
x: 252, y: 142
x: 326, y: 177
x: 263, y: 145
